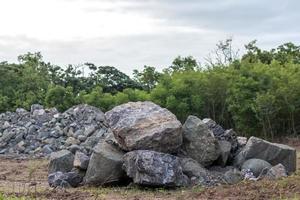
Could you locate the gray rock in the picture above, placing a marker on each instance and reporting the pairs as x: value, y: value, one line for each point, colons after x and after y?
x: 47, y: 149
x: 61, y: 161
x: 196, y: 173
x: 36, y: 107
x: 276, y: 172
x: 256, y: 166
x: 58, y: 179
x: 82, y: 138
x: 217, y: 130
x: 71, y: 141
x: 233, y: 176
x: 271, y: 152
x: 242, y: 141
x: 64, y: 180
x: 81, y: 160
x: 199, y: 142
x: 73, y: 178
x: 105, y: 166
x: 154, y: 169
x: 145, y: 125
x: 225, y: 148
x: 73, y: 148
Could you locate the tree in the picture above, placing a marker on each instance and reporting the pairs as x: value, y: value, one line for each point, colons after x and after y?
x: 182, y: 64
x: 148, y: 78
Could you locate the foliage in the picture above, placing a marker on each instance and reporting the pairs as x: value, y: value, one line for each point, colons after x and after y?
x: 258, y: 94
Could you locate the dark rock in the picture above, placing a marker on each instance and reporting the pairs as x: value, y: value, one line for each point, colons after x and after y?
x: 199, y: 142
x: 61, y: 161
x: 58, y: 179
x: 154, y: 169
x: 105, y: 166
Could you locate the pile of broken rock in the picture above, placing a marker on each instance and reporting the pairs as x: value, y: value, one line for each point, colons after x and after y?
x: 143, y: 143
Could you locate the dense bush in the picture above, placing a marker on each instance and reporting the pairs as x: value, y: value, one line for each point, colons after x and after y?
x: 258, y: 94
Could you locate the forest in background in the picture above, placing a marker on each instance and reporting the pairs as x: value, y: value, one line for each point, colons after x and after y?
x: 257, y: 93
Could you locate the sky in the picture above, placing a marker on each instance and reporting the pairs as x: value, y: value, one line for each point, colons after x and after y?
x: 129, y: 34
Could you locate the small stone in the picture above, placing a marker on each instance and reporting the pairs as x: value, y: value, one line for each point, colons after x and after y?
x: 82, y: 138
x: 70, y: 141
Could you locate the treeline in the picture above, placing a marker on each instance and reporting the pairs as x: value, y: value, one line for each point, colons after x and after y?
x: 257, y: 93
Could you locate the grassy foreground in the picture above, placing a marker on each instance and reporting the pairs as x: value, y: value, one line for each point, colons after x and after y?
x: 27, y: 179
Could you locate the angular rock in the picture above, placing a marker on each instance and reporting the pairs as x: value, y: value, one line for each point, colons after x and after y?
x: 64, y: 180
x: 271, y: 152
x: 105, y: 166
x: 154, y: 169
x: 217, y: 130
x: 256, y: 166
x: 196, y: 173
x: 145, y: 126
x: 58, y: 179
x: 276, y: 172
x: 61, y: 161
x: 199, y: 142
x: 225, y: 148
x: 81, y: 160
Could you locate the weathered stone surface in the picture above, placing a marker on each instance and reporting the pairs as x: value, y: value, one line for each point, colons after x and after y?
x: 196, y: 173
x: 58, y: 179
x: 61, y: 161
x: 276, y: 172
x: 105, y: 166
x: 64, y: 180
x: 154, y: 169
x: 225, y: 148
x: 145, y: 126
x: 256, y: 166
x: 233, y: 176
x: 199, y: 142
x: 271, y: 152
x: 81, y: 160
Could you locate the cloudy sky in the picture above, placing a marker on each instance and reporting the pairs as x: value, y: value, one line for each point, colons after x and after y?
x: 131, y: 33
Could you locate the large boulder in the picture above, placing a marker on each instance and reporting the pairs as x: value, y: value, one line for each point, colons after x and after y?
x: 105, y: 166
x: 271, y: 152
x: 61, y: 161
x: 154, y: 169
x: 145, y: 126
x: 199, y: 142
x: 256, y: 166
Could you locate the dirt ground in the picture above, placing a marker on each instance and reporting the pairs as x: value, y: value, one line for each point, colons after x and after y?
x: 27, y: 179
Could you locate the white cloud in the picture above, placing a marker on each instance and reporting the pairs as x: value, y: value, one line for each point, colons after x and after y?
x: 131, y: 33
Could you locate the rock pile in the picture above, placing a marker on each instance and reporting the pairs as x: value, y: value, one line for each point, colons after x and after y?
x: 141, y: 143
x: 43, y: 131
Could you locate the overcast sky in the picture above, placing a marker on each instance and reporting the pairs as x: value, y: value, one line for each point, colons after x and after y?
x: 128, y: 34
